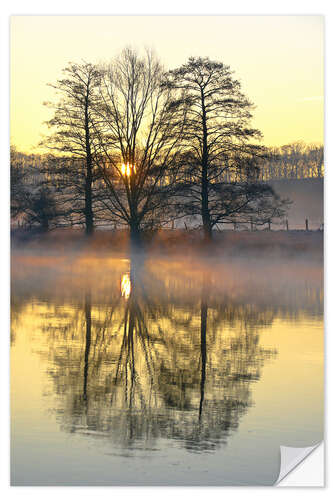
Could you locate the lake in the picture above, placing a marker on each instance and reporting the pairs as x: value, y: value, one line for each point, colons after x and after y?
x: 163, y: 371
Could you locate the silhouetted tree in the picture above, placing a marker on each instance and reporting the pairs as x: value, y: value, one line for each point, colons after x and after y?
x: 35, y: 199
x: 74, y: 140
x: 247, y: 203
x: 40, y: 209
x: 17, y: 187
x: 217, y: 131
x: 143, y: 133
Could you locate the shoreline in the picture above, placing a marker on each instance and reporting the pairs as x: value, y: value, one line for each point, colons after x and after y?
x: 172, y: 242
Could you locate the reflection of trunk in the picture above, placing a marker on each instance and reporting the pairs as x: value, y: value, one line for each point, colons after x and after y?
x: 203, y: 354
x: 132, y: 307
x: 135, y: 336
x: 137, y: 271
x: 203, y: 336
x: 88, y: 341
x: 203, y: 344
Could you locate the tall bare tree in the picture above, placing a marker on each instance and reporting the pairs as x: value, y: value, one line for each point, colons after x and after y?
x: 73, y: 139
x: 217, y: 131
x: 141, y: 144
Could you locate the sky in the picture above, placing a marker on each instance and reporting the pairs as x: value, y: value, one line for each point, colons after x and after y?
x: 279, y: 61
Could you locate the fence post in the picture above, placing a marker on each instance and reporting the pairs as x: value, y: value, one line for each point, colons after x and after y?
x: 306, y: 225
x: 269, y: 225
x: 287, y: 225
x: 235, y: 226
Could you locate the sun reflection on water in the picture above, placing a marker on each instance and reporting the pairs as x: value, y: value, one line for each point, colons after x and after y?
x: 125, y: 285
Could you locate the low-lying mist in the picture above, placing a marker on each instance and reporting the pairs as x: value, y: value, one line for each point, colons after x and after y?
x: 266, y: 244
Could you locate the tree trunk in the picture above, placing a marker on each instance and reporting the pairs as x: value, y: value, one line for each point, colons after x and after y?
x: 206, y: 220
x: 45, y: 225
x: 89, y: 217
x: 205, y: 208
x: 135, y: 236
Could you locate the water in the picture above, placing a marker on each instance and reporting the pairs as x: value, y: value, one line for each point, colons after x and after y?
x: 174, y: 371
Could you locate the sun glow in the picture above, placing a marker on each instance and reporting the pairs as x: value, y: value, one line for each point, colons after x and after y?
x: 128, y: 169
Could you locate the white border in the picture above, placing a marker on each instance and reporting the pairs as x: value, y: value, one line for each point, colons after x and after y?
x: 176, y: 7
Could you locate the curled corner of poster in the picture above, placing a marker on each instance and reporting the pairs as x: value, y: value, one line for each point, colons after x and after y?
x: 302, y: 466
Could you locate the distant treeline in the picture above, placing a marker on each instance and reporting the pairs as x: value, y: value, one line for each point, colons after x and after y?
x: 293, y: 161
x: 296, y: 160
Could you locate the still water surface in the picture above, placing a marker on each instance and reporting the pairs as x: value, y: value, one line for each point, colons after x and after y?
x: 162, y: 372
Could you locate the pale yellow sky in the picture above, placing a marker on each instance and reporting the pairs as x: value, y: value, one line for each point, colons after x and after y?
x: 278, y: 59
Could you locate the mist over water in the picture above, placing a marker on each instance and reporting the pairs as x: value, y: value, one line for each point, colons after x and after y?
x: 163, y: 370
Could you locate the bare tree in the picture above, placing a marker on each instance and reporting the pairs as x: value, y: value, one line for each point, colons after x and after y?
x: 33, y: 201
x: 141, y: 143
x: 252, y: 205
x: 17, y: 177
x: 73, y: 139
x: 217, y: 131
x: 40, y: 209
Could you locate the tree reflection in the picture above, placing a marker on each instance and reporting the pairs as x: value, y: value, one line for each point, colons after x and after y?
x: 87, y: 308
x: 145, y: 366
x: 203, y: 347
